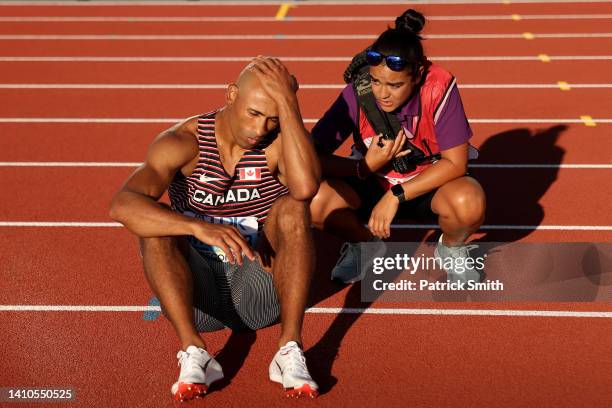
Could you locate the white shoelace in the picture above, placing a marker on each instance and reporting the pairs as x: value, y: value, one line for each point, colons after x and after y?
x: 462, y: 251
x: 297, y: 362
x: 184, y: 356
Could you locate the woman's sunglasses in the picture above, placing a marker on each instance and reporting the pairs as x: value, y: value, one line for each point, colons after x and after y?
x: 394, y: 62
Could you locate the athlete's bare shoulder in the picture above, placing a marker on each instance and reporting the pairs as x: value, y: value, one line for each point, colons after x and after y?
x: 183, y: 133
x: 178, y: 144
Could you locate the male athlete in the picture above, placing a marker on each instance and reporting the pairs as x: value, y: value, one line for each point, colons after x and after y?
x: 235, y: 248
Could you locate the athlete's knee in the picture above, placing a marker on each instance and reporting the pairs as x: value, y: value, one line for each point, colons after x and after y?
x: 292, y: 216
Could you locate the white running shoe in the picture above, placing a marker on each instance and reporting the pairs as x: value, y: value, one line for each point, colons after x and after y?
x: 347, y: 269
x: 457, y: 253
x: 198, y: 371
x: 288, y: 367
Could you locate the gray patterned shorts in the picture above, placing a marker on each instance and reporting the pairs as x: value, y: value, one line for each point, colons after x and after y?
x: 239, y: 297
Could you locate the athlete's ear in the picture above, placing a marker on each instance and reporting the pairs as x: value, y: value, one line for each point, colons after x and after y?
x: 231, y: 94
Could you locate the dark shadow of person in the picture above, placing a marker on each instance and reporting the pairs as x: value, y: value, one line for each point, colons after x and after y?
x: 516, y: 203
x: 233, y: 355
x: 514, y: 194
x: 513, y: 199
x: 321, y: 356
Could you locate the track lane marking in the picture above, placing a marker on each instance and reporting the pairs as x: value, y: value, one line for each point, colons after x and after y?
x: 473, y: 165
x: 177, y: 59
x: 283, y: 10
x: 308, y: 120
x: 329, y: 310
x: 70, y: 224
x: 140, y: 19
x: 564, y: 86
x: 588, y: 121
x: 305, y: 37
x: 559, y: 84
x: 276, y: 2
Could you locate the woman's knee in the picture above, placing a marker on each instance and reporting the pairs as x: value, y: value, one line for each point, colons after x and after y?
x: 465, y: 201
x: 333, y: 195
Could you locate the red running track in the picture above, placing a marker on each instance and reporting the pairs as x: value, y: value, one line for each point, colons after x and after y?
x: 119, y: 359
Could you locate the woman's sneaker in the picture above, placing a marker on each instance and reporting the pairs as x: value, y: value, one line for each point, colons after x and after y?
x: 198, y: 371
x: 457, y: 255
x: 347, y: 269
x: 288, y: 367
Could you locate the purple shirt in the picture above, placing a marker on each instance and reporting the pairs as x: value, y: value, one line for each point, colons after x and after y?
x: 338, y: 123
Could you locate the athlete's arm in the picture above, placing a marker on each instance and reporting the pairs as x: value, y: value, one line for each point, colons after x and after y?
x: 297, y: 162
x: 136, y: 204
x: 452, y: 165
x: 330, y: 131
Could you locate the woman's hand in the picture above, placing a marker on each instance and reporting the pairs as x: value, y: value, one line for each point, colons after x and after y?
x: 382, y: 151
x: 382, y: 215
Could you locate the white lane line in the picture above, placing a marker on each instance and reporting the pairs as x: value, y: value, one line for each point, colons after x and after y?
x: 540, y: 121
x: 71, y: 224
x: 302, y: 86
x: 190, y: 3
x: 210, y: 37
x: 245, y: 37
x: 517, y: 227
x: 171, y: 59
x: 459, y: 312
x: 69, y: 164
x: 160, y: 86
x: 89, y: 120
x: 326, y: 310
x: 295, y: 59
x: 202, y: 19
x: 531, y: 86
x: 541, y: 166
x: 479, y: 165
x: 53, y: 224
x: 172, y: 120
x: 511, y: 17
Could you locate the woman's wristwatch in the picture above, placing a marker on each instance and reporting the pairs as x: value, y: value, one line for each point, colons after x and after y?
x: 398, y: 191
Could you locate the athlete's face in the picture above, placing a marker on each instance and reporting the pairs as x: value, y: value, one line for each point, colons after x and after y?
x: 391, y: 88
x: 254, y: 114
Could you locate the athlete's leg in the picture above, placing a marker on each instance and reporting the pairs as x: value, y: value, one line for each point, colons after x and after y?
x: 334, y: 208
x: 287, y: 229
x: 460, y: 205
x: 170, y: 278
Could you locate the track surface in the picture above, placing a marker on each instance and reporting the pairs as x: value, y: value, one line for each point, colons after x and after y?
x: 59, y: 164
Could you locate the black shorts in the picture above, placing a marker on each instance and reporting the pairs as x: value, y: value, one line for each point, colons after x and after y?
x: 370, y: 192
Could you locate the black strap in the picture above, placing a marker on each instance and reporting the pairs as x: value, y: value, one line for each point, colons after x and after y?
x: 385, y: 123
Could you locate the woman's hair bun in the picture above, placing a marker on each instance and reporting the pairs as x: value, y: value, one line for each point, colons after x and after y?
x: 411, y: 20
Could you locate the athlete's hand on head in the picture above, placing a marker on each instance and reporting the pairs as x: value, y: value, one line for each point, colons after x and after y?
x: 382, y: 151
x: 274, y: 77
x: 382, y: 216
x: 226, y: 237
